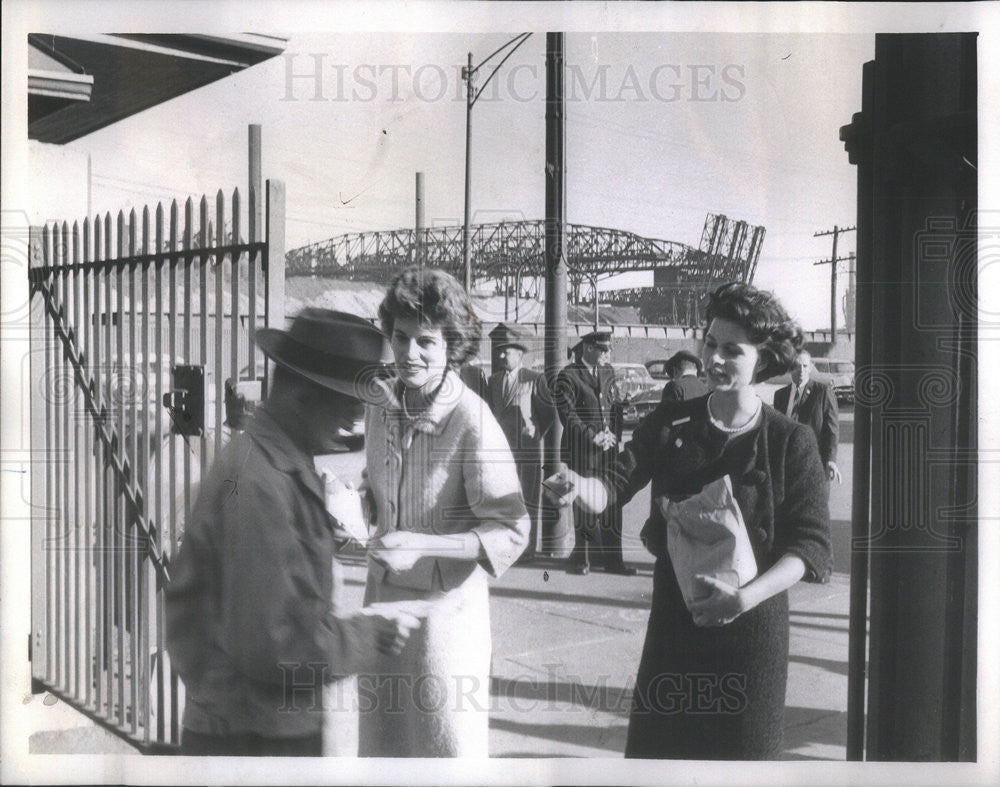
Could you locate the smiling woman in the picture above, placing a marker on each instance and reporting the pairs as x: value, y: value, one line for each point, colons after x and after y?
x: 450, y: 513
x: 738, y: 515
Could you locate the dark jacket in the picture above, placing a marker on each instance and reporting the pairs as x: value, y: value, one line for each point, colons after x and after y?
x: 777, y: 479
x: 817, y: 409
x: 687, y: 387
x: 584, y: 407
x: 252, y: 592
x: 527, y: 403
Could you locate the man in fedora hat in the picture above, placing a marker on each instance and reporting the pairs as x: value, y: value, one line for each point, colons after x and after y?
x: 683, y: 368
x: 584, y: 395
x: 523, y: 407
x: 251, y: 622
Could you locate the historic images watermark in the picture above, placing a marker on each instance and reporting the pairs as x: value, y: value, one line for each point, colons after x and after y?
x: 316, y: 76
x: 699, y: 693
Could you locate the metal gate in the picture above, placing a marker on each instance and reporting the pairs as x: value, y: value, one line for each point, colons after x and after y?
x: 142, y: 340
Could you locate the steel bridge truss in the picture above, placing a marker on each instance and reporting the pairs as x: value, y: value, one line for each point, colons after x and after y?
x: 511, y: 255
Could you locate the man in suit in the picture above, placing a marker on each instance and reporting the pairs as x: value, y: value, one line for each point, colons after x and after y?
x: 683, y: 368
x: 523, y: 407
x: 584, y: 396
x: 813, y: 403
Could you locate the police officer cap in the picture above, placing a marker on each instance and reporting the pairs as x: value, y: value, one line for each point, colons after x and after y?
x: 600, y: 338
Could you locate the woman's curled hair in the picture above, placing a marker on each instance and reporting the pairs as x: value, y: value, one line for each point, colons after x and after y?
x: 434, y: 297
x: 777, y: 336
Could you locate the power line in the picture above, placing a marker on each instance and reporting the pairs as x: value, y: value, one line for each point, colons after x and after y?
x: 832, y: 262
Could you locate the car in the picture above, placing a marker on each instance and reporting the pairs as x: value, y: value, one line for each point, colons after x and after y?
x: 632, y: 379
x: 658, y: 371
x: 641, y: 405
x: 839, y: 373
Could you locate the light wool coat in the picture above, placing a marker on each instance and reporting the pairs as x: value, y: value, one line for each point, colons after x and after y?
x: 450, y: 471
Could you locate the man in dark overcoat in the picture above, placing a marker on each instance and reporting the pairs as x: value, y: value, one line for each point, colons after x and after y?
x: 252, y: 620
x: 813, y: 403
x: 521, y: 403
x: 584, y: 395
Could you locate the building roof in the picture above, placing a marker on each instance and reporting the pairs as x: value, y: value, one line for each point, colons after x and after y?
x: 79, y: 84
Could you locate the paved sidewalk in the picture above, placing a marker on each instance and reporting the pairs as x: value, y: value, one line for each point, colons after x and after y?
x: 566, y: 650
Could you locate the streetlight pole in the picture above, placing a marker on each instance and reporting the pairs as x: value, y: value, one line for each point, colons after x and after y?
x: 471, y: 97
x: 469, y: 75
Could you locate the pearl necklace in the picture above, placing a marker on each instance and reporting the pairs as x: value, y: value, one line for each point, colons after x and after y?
x: 733, y: 429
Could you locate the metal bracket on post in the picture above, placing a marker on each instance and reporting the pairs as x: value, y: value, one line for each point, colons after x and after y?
x: 186, y: 400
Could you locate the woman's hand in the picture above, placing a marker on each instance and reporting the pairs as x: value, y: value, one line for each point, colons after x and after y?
x: 724, y: 604
x: 398, y: 550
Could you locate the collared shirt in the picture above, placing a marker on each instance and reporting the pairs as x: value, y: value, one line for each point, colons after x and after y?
x: 250, y: 604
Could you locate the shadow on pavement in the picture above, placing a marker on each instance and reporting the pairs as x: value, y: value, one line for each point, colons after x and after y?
x: 811, y: 614
x: 520, y: 695
x: 818, y: 626
x: 591, y: 736
x: 538, y: 595
x: 807, y: 726
x: 831, y: 665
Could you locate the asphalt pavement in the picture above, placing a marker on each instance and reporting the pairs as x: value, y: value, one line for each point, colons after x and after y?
x: 566, y: 650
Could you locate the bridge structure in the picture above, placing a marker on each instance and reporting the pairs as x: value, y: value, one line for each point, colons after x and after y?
x: 509, y: 258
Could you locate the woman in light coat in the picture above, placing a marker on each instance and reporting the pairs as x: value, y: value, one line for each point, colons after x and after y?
x: 450, y: 513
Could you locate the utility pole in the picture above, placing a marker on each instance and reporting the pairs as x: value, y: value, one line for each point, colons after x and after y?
x: 557, y: 529
x: 850, y: 297
x: 469, y: 75
x: 418, y: 225
x: 471, y: 97
x: 833, y: 275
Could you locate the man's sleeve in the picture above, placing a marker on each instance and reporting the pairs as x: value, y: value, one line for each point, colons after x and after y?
x: 830, y: 433
x: 273, y: 610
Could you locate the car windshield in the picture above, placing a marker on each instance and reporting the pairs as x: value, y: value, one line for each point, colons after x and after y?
x: 835, y: 367
x: 636, y: 373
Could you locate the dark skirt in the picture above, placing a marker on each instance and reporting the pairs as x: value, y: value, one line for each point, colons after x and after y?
x: 709, y: 693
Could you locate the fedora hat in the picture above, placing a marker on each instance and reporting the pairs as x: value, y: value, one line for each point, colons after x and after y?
x: 340, y: 351
x: 681, y: 356
x: 507, y: 336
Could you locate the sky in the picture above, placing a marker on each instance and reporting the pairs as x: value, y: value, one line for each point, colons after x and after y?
x: 661, y: 129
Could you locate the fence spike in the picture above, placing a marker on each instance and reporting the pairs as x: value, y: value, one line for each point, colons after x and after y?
x: 188, y: 221
x: 159, y: 227
x: 121, y: 234
x: 64, y: 246
x: 205, y: 226
x: 236, y: 216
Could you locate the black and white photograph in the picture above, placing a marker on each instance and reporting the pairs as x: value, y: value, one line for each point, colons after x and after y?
x: 499, y: 393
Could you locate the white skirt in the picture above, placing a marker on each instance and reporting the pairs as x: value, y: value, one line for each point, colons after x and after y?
x: 433, y: 699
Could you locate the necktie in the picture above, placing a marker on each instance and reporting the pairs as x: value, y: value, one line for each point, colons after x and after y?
x: 793, y: 401
x: 508, y: 385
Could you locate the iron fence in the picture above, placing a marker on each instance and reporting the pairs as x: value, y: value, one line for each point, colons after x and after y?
x: 125, y: 315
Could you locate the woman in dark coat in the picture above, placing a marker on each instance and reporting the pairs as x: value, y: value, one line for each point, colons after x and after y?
x: 711, y: 683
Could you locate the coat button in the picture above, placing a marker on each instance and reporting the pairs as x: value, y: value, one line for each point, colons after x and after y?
x: 760, y: 533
